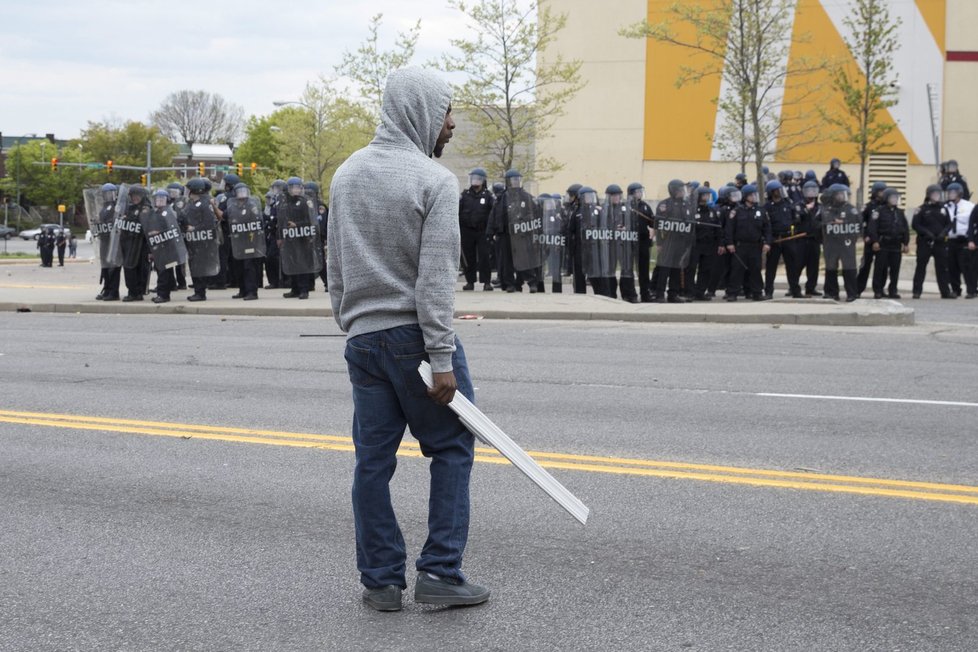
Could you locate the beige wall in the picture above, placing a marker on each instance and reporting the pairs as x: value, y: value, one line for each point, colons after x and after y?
x: 600, y: 137
x: 960, y: 120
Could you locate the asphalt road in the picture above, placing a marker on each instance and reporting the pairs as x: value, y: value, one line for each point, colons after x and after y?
x: 722, y: 517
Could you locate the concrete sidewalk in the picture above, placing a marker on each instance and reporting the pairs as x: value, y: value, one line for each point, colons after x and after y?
x: 72, y: 289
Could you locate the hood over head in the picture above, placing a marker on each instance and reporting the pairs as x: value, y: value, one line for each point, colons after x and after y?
x: 415, y: 103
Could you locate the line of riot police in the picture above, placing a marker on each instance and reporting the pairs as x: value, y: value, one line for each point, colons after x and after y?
x: 227, y: 240
x: 697, y: 241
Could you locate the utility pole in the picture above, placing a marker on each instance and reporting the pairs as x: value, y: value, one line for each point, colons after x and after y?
x: 149, y: 164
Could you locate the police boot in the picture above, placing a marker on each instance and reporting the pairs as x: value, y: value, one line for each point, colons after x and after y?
x: 487, y: 287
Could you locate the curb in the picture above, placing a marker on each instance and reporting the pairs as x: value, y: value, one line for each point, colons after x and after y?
x: 879, y: 313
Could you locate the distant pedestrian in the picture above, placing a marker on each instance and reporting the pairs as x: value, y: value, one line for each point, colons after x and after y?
x: 72, y: 246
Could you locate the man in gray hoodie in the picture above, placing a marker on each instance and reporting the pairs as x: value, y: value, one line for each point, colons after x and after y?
x: 393, y: 251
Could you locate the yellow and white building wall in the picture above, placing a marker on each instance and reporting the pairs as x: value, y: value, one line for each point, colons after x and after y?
x: 632, y: 123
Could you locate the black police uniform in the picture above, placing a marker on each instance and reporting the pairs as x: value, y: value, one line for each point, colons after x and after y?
x: 748, y: 230
x: 955, y: 177
x: 810, y: 247
x: 61, y: 241
x: 866, y: 263
x: 45, y: 243
x: 220, y: 282
x: 721, y: 268
x: 642, y: 213
x: 137, y: 277
x: 474, y: 208
x: 110, y: 275
x: 498, y: 226
x: 932, y: 224
x: 575, y: 253
x: 272, y: 258
x: 783, y: 218
x: 887, y: 228
x: 705, y: 256
x: 834, y: 176
x: 961, y: 261
x: 673, y: 276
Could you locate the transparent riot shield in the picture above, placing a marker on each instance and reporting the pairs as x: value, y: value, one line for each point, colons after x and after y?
x: 554, y: 238
x: 126, y: 241
x: 842, y: 228
x: 301, y: 251
x: 101, y: 216
x: 625, y: 225
x: 246, y: 226
x: 597, y: 239
x: 525, y: 229
x: 674, y: 233
x: 164, y: 238
x: 202, y: 237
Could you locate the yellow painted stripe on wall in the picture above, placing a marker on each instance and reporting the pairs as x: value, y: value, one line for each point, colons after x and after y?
x: 823, y: 40
x: 935, y: 15
x: 679, y: 122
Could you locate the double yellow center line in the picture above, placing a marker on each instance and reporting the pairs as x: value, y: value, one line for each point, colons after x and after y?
x: 950, y: 493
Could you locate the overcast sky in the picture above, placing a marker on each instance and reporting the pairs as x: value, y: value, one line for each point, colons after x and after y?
x: 64, y: 63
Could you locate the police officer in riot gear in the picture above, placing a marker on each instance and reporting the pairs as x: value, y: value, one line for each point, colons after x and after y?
x: 835, y: 175
x: 299, y: 239
x: 155, y: 224
x: 226, y: 276
x: 728, y: 198
x: 932, y: 225
x: 808, y: 212
x: 644, y: 219
x: 111, y: 274
x: 952, y: 175
x: 782, y: 217
x: 669, y: 269
x: 499, y: 226
x: 272, y: 262
x: 198, y: 222
x: 709, y: 244
x: 841, y: 229
x: 888, y: 235
x: 474, y: 207
x: 961, y: 260
x: 572, y: 222
x: 136, y: 258
x: 177, y: 201
x: 748, y: 238
x: 872, y: 206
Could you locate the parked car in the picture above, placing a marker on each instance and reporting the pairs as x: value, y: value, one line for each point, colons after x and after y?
x: 31, y: 234
x: 7, y: 232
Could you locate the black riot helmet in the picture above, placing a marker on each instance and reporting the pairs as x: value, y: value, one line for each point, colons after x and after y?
x: 951, y: 166
x: 138, y: 195
x: 312, y: 190
x: 703, y: 196
x: 231, y: 180
x: 877, y: 189
x: 955, y: 191
x: 197, y: 186
x: 934, y: 194
x: 810, y: 190
x: 677, y: 189
x: 891, y: 197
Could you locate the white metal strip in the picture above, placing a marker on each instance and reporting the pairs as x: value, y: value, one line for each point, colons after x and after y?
x: 489, y: 433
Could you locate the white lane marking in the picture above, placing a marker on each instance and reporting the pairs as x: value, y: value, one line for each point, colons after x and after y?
x: 869, y: 399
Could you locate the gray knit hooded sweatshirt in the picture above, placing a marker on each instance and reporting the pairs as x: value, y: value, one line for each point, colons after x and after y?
x: 393, y: 238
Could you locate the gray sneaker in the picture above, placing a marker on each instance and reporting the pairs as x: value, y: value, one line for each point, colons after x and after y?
x: 386, y: 598
x: 431, y: 589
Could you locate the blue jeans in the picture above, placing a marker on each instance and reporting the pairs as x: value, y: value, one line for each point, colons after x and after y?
x: 388, y: 394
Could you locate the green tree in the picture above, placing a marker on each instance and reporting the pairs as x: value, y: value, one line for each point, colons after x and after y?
x: 126, y: 145
x: 514, y: 91
x: 29, y: 166
x: 261, y: 146
x: 369, y: 66
x: 746, y: 43
x: 320, y: 131
x: 867, y: 89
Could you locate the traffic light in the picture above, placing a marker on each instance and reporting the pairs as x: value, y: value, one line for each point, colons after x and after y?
x: 108, y: 165
x: 254, y: 167
x: 240, y: 169
x: 54, y: 163
x: 200, y: 168
x: 142, y: 179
